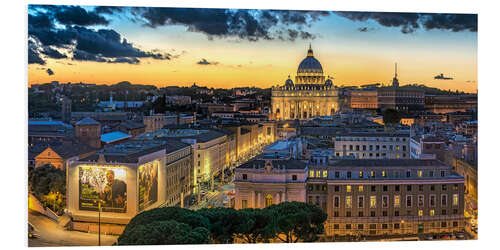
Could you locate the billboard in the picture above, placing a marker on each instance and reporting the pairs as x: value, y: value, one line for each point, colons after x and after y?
x: 107, y: 184
x: 148, y: 184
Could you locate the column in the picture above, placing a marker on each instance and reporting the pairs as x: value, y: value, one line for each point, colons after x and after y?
x: 277, y: 201
x: 258, y: 200
x: 253, y: 200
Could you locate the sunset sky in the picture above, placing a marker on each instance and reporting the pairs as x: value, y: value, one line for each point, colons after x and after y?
x: 233, y: 48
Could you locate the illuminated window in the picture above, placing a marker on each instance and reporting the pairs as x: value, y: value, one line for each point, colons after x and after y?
x: 348, y: 202
x: 360, y: 174
x: 325, y: 173
x: 397, y: 202
x: 318, y: 174
x: 420, y: 212
x: 455, y: 199
x: 348, y: 188
x: 372, y: 174
x: 311, y: 173
x: 373, y: 201
x: 269, y: 200
x: 360, y: 188
x: 431, y: 213
x: 384, y: 174
x: 420, y: 173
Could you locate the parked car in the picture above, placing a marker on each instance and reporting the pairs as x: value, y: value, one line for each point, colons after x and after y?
x: 460, y: 235
x: 429, y: 237
x: 445, y: 237
x: 32, y: 232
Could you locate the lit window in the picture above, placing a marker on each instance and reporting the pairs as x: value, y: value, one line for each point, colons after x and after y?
x: 396, y: 201
x: 373, y: 201
x: 360, y: 188
x: 420, y: 212
x: 348, y: 202
x: 372, y: 174
x: 348, y: 188
x: 311, y: 173
x: 419, y: 173
x: 360, y: 174
x: 325, y: 173
x: 455, y: 199
x: 318, y: 174
x: 383, y: 174
x: 431, y: 213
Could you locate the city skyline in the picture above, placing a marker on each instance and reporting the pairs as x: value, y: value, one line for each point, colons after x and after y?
x: 225, y: 48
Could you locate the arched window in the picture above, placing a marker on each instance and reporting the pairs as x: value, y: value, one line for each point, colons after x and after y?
x: 269, y: 200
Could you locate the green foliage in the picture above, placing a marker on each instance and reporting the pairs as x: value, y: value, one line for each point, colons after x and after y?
x: 48, y: 183
x: 391, y: 116
x: 298, y: 221
x: 259, y: 225
x: 167, y: 232
x: 172, y: 225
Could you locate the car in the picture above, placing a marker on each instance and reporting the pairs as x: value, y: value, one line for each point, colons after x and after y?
x: 460, y: 235
x: 429, y: 237
x: 32, y: 232
x: 445, y: 237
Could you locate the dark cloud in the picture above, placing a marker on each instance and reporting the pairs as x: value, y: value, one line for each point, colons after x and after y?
x: 453, y: 22
x: 80, y: 55
x: 365, y: 29
x: 204, y: 61
x: 251, y: 25
x: 52, y: 53
x: 108, y: 9
x: 50, y: 72
x: 129, y: 60
x: 75, y: 15
x: 86, y: 44
x: 410, y: 22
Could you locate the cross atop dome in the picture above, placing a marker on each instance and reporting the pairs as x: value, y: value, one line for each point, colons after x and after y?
x: 310, y: 51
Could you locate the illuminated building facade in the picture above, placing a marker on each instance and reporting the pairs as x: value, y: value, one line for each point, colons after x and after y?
x: 361, y: 197
x: 310, y: 95
x: 127, y: 179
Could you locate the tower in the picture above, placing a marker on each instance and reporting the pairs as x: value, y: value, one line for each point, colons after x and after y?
x: 395, y: 81
x: 65, y: 109
x: 88, y: 131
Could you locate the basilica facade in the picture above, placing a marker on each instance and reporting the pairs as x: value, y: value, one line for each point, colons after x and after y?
x: 311, y: 95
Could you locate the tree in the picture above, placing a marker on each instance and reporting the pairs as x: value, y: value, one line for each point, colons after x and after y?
x: 298, y: 221
x: 167, y: 232
x: 48, y: 183
x: 166, y: 225
x: 391, y: 116
x: 259, y: 225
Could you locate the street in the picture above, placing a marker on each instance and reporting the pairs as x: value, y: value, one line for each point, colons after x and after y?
x: 214, y: 199
x: 52, y: 235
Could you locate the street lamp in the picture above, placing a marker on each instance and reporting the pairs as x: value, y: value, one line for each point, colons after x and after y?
x: 99, y: 221
x: 403, y: 228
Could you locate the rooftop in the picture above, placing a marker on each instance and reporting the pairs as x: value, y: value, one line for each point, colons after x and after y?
x: 114, y: 136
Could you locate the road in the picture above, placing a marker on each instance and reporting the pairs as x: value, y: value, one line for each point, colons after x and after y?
x: 214, y: 199
x: 53, y: 235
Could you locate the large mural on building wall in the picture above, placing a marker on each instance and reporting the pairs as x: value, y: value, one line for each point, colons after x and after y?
x: 148, y: 184
x: 107, y: 184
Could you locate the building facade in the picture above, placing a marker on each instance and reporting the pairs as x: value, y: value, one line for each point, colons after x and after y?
x: 373, y: 145
x: 384, y: 197
x: 310, y: 95
x: 361, y: 197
